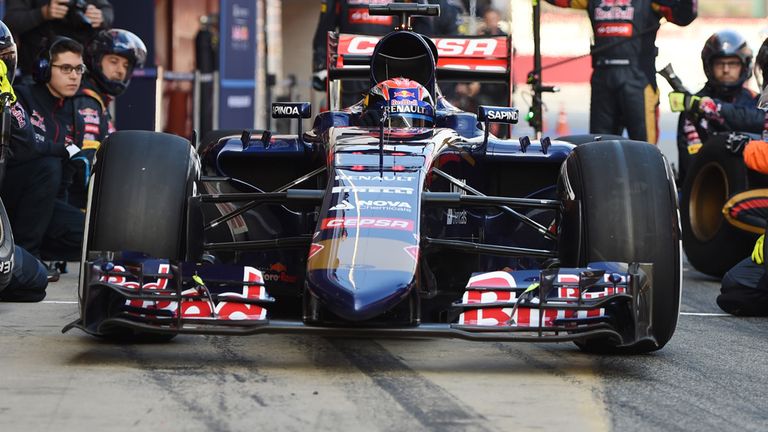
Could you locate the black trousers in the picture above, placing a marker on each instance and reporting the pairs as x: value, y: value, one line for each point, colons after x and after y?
x: 744, y: 290
x: 624, y: 98
x: 44, y: 225
x: 28, y: 280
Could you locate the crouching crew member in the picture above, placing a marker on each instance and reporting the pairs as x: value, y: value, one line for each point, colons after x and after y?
x: 45, y: 225
x: 111, y: 58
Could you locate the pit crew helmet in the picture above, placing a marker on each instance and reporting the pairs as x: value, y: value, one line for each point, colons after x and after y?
x: 119, y: 42
x: 726, y: 43
x: 8, y: 51
x: 407, y: 103
x: 761, y: 64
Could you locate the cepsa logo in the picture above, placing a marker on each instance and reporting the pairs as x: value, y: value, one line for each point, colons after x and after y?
x: 376, y: 223
x: 445, y: 47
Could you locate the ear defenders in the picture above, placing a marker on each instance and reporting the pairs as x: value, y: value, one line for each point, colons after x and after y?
x: 42, y: 72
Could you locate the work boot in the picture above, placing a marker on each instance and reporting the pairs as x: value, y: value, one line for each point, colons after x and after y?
x: 53, y: 272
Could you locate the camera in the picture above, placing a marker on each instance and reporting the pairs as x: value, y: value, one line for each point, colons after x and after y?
x: 77, y: 12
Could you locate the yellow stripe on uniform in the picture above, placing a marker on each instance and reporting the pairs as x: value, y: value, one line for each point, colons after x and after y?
x: 579, y: 4
x: 91, y: 144
x: 651, y: 97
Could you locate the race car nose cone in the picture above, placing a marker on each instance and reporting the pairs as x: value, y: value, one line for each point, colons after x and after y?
x: 359, y: 295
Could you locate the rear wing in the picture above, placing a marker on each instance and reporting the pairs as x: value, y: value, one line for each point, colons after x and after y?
x: 466, y: 58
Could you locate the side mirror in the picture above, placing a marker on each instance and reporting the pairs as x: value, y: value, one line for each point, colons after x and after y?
x: 297, y: 110
x: 496, y: 114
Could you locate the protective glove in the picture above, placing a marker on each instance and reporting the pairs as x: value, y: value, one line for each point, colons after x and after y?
x: 320, y: 80
x: 83, y: 159
x: 684, y: 102
x: 757, y: 252
x: 5, y: 83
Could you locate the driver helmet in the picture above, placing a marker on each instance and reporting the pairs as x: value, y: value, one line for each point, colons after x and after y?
x: 726, y: 43
x: 407, y: 103
x: 761, y: 64
x: 119, y: 42
x: 8, y: 51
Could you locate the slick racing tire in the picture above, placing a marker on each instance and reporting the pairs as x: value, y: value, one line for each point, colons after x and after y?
x: 620, y: 204
x: 583, y: 139
x: 712, y: 245
x: 6, y: 248
x: 141, y: 186
x: 138, y: 202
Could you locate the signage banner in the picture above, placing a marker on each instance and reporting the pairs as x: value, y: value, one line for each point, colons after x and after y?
x: 237, y: 64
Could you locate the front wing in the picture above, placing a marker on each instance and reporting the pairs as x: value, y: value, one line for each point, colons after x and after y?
x: 550, y: 305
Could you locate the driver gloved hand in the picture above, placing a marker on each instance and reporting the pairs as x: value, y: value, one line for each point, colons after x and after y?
x: 320, y: 80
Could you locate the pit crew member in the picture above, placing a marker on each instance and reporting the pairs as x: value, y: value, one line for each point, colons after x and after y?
x: 624, y: 91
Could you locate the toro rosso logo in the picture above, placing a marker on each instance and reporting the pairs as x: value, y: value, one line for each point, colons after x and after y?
x: 367, y: 222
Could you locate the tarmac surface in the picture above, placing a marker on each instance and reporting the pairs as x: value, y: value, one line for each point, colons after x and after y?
x: 711, y: 376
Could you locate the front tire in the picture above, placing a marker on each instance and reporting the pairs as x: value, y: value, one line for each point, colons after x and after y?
x: 138, y: 202
x: 620, y: 205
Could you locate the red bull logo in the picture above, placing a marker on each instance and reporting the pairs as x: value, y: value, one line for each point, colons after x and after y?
x: 614, y: 10
x: 403, y: 93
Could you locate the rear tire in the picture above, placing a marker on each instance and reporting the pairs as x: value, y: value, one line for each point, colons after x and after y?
x: 583, y: 139
x: 138, y: 203
x: 712, y: 245
x: 620, y: 205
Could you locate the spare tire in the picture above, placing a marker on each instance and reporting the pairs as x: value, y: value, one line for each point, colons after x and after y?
x: 711, y: 244
x: 6, y: 248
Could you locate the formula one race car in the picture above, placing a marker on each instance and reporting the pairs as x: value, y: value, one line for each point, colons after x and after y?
x: 398, y: 216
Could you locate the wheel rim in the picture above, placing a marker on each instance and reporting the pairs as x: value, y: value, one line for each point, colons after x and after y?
x: 708, y: 195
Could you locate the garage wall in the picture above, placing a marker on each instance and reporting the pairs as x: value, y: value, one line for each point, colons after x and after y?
x: 299, y: 20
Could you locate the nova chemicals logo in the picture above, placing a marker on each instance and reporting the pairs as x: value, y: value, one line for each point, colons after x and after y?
x: 366, y: 222
x: 401, y: 206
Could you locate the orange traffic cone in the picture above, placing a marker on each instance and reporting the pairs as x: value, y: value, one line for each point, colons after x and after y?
x: 562, y: 129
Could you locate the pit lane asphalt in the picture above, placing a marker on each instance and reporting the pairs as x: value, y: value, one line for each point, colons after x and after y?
x: 711, y: 376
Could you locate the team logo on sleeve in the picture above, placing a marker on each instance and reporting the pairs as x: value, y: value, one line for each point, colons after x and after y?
x: 37, y: 120
x: 17, y: 111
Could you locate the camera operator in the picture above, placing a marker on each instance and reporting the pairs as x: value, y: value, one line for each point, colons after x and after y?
x: 35, y: 21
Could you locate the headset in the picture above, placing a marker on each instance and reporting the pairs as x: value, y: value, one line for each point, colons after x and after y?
x: 42, y: 72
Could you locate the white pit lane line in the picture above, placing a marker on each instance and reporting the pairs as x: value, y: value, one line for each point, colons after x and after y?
x: 702, y: 314
x: 707, y: 314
